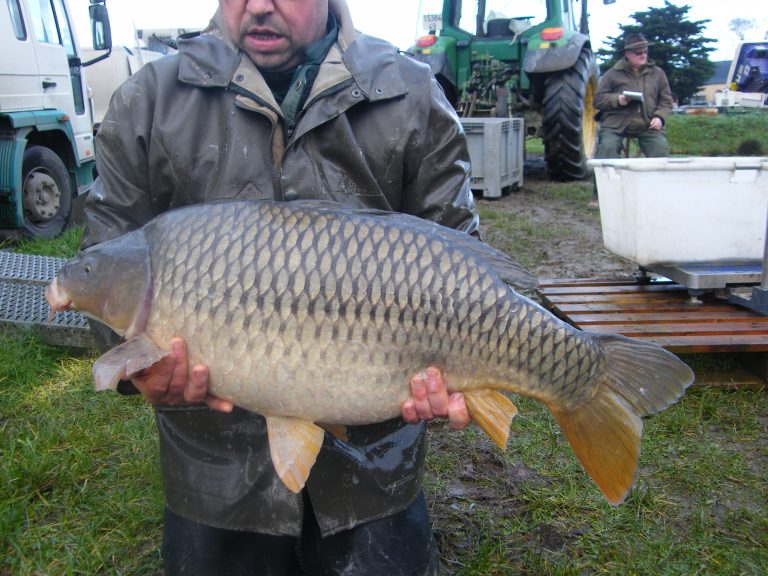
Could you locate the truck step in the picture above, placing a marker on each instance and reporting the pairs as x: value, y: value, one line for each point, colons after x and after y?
x: 23, y: 278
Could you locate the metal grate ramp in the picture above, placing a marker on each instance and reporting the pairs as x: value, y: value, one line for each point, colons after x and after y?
x: 23, y: 278
x: 28, y: 268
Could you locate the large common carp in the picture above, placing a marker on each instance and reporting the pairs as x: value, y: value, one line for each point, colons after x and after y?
x: 315, y: 315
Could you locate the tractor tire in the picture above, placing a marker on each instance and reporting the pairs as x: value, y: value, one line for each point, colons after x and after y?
x: 569, y: 128
x: 46, y: 193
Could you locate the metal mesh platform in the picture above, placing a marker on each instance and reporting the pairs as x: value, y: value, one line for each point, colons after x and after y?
x: 23, y: 278
x: 28, y: 268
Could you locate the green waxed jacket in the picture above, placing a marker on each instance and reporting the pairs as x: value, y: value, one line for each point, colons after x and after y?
x: 635, y: 117
x: 375, y: 132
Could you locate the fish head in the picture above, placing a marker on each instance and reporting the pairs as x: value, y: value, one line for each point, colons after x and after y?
x: 110, y: 282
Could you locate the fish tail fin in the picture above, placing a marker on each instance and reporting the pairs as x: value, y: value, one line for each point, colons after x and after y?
x: 640, y: 378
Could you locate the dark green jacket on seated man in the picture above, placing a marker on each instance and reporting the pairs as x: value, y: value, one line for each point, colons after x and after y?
x: 622, y: 116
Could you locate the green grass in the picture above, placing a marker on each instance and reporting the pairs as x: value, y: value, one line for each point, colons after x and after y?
x: 698, y: 507
x: 691, y: 135
x: 516, y: 234
x: 65, y: 246
x: 719, y: 135
x: 81, y: 493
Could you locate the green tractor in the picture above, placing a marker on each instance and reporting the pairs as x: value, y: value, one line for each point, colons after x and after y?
x: 525, y: 58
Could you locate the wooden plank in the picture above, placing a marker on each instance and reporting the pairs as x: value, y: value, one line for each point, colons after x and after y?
x: 711, y: 343
x: 669, y: 317
x: 623, y: 299
x: 613, y: 289
x: 706, y: 343
x: 657, y: 312
x: 640, y: 308
x: 581, y: 281
x: 628, y: 298
x: 680, y: 329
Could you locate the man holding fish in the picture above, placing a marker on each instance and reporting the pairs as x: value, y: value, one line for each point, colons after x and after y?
x: 313, y: 319
x: 284, y: 100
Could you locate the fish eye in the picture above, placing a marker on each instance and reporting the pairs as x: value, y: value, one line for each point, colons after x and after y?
x: 88, y: 265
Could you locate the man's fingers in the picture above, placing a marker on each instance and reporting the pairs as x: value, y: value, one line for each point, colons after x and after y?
x: 152, y: 382
x: 458, y: 415
x: 218, y: 404
x: 437, y: 393
x: 196, y: 389
x: 408, y: 411
x: 178, y: 379
x: 420, y: 396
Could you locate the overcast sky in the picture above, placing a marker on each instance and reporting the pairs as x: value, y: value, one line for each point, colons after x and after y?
x: 398, y: 20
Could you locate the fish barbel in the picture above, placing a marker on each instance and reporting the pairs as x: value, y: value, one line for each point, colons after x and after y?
x: 313, y: 315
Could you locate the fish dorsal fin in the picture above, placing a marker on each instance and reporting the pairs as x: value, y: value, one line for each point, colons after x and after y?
x: 493, y: 412
x: 293, y: 445
x: 125, y: 360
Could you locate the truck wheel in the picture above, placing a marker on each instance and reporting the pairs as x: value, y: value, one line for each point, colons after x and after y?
x: 569, y: 129
x: 46, y: 193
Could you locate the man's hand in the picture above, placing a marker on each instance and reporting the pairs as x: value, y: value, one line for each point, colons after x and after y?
x: 656, y: 123
x: 623, y: 100
x: 170, y: 382
x: 429, y: 399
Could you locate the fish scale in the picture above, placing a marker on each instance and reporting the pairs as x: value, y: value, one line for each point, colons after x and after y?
x: 312, y: 313
x: 340, y: 284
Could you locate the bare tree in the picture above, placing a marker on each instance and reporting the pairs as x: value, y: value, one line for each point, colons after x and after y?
x: 740, y: 26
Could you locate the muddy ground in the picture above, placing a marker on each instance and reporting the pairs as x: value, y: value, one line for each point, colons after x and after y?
x: 473, y: 490
x: 574, y: 249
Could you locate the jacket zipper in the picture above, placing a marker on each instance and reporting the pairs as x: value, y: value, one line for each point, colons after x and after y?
x: 243, y: 92
x: 324, y: 94
x: 276, y: 162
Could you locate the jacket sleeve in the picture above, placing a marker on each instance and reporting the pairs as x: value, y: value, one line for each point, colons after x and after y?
x: 119, y: 200
x: 436, y: 186
x: 606, y: 96
x: 664, y: 100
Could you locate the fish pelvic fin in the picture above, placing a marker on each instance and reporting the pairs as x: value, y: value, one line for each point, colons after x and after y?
x: 493, y: 412
x: 337, y: 430
x: 640, y: 378
x: 121, y: 362
x: 293, y: 444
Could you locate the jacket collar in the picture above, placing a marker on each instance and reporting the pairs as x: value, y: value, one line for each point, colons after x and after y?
x: 624, y: 65
x: 212, y: 60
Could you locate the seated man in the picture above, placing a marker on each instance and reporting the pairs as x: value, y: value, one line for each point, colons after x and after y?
x: 640, y: 117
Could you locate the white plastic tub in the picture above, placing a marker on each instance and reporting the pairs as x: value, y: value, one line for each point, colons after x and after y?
x: 671, y: 211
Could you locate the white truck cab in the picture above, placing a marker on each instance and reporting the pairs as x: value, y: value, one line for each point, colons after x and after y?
x: 46, y: 118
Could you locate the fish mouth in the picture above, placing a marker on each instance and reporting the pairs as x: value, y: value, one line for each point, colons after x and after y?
x: 57, y: 299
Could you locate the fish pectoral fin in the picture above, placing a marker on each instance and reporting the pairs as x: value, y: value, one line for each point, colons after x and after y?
x: 293, y: 444
x: 124, y: 360
x: 493, y: 412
